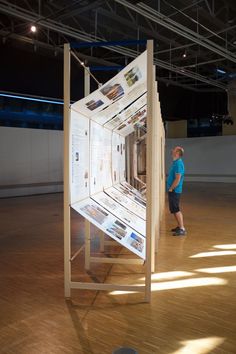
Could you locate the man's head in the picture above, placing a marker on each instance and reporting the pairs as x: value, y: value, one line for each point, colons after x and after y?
x: 177, y: 152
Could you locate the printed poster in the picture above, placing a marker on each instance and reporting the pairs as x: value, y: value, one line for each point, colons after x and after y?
x: 116, y: 121
x: 137, y: 119
x: 121, y: 212
x: 96, y: 154
x: 128, y: 203
x: 131, y: 194
x: 134, y: 190
x: 112, y: 226
x: 115, y: 95
x: 116, y: 151
x: 122, y: 159
x: 79, y: 157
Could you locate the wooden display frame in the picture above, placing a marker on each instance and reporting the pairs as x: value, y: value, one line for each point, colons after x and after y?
x: 152, y: 220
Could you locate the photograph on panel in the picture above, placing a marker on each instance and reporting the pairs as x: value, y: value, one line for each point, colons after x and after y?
x: 91, y: 105
x: 136, y: 242
x: 94, y: 212
x: 133, y: 76
x: 113, y: 91
x: 117, y: 229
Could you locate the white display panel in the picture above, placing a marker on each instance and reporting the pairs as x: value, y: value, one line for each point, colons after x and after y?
x: 79, y: 157
x: 122, y: 160
x: 121, y: 212
x: 112, y: 226
x: 116, y: 158
x: 99, y: 124
x: 117, y: 120
x: 127, y: 202
x: 100, y: 158
x: 107, y: 158
x: 96, y: 162
x: 116, y: 94
x: 130, y: 195
x: 134, y: 190
x: 136, y: 119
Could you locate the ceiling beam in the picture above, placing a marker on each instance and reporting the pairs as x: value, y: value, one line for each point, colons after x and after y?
x: 126, y: 22
x: 47, y: 46
x: 82, y: 36
x: 176, y: 27
x: 211, y: 7
x: 81, y: 10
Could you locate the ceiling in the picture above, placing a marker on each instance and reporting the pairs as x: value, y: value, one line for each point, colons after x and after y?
x: 194, y: 41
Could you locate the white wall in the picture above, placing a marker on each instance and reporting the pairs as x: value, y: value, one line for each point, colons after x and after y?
x: 31, y: 161
x: 208, y: 159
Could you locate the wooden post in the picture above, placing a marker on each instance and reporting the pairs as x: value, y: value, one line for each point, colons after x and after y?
x: 102, y: 240
x: 87, y: 223
x: 149, y: 225
x: 67, y: 229
x: 87, y: 244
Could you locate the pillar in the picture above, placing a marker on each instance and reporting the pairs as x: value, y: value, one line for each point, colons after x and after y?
x: 176, y: 129
x: 228, y: 129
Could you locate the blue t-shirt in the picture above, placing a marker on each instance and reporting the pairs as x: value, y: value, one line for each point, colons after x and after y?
x: 176, y: 167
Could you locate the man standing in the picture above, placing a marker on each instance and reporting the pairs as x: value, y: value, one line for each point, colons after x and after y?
x: 174, y: 186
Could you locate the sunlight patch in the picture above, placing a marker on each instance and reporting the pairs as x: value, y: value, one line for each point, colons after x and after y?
x: 199, y: 346
x: 227, y: 269
x: 213, y: 254
x: 188, y: 283
x: 231, y: 246
x: 170, y: 275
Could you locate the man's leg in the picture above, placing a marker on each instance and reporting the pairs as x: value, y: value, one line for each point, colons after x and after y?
x: 180, y: 219
x: 176, y: 219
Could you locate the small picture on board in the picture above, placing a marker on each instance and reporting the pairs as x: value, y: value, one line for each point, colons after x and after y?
x: 117, y: 231
x: 108, y: 203
x: 140, y: 201
x: 133, y: 76
x: 117, y: 222
x: 76, y: 156
x: 121, y: 126
x: 113, y: 91
x: 95, y: 213
x: 92, y: 105
x: 137, y: 116
x: 137, y: 242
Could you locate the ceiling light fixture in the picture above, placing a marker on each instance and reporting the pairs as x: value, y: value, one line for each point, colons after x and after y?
x: 220, y: 71
x: 33, y: 29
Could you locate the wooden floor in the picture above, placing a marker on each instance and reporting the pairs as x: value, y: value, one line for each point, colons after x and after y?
x: 193, y: 308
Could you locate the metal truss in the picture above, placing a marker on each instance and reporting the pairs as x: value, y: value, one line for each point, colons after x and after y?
x: 176, y: 27
x: 73, y: 33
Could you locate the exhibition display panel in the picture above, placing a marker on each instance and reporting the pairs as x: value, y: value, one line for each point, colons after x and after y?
x: 96, y: 129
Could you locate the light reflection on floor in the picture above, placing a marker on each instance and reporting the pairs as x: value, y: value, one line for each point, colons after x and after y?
x: 180, y: 284
x: 213, y: 270
x: 213, y: 254
x: 226, y: 247
x: 199, y: 346
x: 170, y: 275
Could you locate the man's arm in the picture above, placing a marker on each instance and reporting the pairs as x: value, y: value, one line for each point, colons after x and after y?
x: 175, y: 182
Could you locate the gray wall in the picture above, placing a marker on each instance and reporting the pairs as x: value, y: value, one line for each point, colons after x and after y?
x: 208, y: 159
x: 31, y: 161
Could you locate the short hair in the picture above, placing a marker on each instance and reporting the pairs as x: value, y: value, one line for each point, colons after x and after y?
x: 180, y: 150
